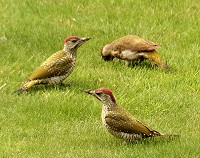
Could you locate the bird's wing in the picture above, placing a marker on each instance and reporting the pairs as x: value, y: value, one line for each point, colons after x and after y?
x: 122, y: 121
x: 57, y: 64
x: 133, y: 43
x: 144, y: 45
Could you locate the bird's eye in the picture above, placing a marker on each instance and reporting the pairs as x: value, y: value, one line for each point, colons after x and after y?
x: 74, y: 40
x: 98, y: 93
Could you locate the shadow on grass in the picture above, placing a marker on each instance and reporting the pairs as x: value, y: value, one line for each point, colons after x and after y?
x: 153, y: 141
x: 74, y: 86
x: 143, y: 64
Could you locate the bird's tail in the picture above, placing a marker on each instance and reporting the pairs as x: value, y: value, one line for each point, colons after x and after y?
x: 28, y: 84
x: 156, y: 133
x: 154, y: 57
x: 170, y: 135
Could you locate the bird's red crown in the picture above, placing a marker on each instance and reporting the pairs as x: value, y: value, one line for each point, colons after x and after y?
x: 70, y: 37
x: 106, y: 91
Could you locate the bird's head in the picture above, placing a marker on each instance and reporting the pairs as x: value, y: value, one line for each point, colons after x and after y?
x: 102, y: 94
x: 74, y: 42
x: 106, y: 53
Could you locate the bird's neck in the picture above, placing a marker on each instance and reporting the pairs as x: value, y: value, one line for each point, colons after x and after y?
x: 70, y: 50
x: 108, y: 104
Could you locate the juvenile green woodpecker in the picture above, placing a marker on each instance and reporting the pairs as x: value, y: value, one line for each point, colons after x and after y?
x: 58, y: 66
x: 119, y: 122
x: 132, y: 47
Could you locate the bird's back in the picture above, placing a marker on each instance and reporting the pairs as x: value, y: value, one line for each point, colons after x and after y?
x: 133, y: 43
x: 122, y: 124
x: 58, y: 64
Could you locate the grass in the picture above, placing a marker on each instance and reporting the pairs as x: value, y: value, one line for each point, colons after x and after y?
x: 65, y: 122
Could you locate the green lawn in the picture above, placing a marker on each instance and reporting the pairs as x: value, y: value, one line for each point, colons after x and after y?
x: 64, y: 121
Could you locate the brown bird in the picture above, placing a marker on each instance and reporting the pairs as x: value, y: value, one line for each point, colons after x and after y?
x: 118, y: 121
x: 132, y: 47
x: 58, y: 66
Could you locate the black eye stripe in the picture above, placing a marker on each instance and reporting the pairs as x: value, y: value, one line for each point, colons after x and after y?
x: 98, y: 93
x: 74, y: 40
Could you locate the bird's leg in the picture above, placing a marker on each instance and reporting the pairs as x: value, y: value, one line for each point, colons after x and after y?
x: 155, y: 58
x: 141, y: 59
x: 61, y: 84
x: 138, y: 61
x: 127, y: 62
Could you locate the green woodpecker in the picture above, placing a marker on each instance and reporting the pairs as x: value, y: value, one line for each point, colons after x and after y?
x: 132, y: 47
x: 58, y: 66
x: 119, y: 122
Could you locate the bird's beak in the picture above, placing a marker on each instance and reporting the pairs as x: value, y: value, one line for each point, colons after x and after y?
x: 84, y: 39
x: 91, y: 92
x: 87, y: 91
x: 81, y: 41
